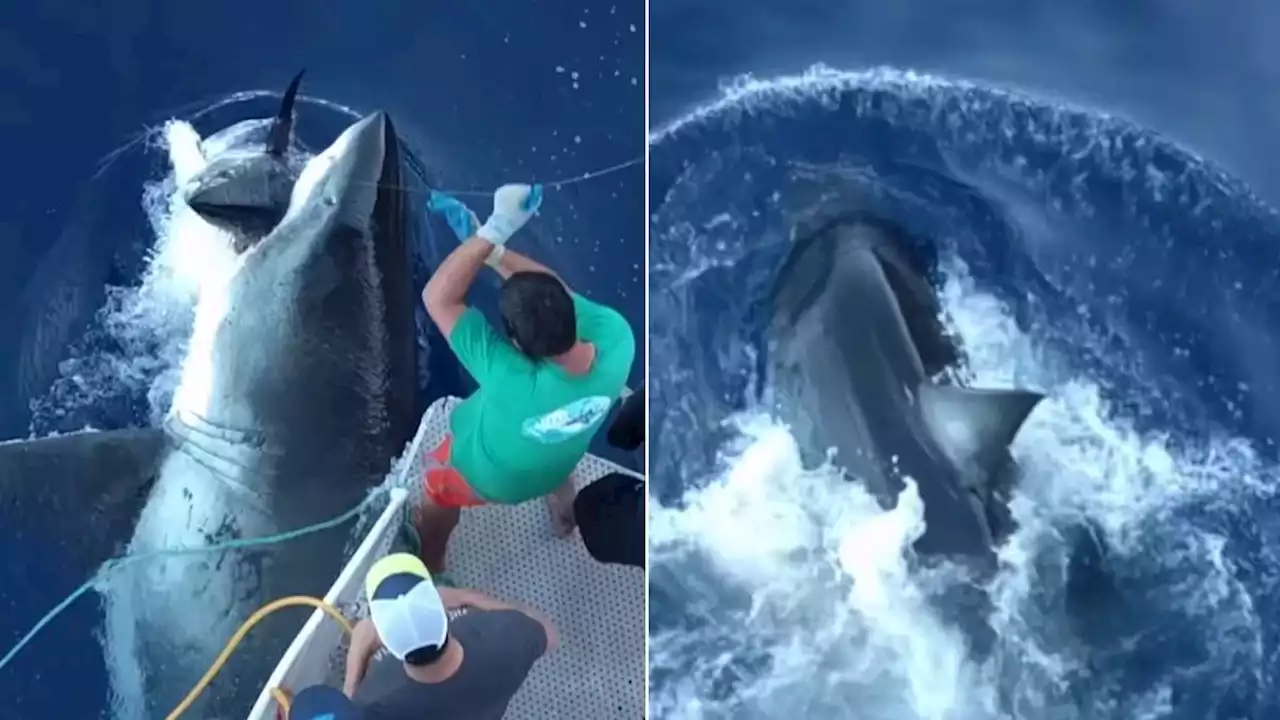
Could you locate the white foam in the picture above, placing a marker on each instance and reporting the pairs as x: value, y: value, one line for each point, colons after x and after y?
x: 185, y: 154
x: 767, y: 523
x: 746, y: 93
x: 767, y: 518
x: 867, y: 644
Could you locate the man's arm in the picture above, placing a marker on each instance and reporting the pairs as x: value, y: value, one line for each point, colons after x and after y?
x: 475, y: 343
x: 446, y: 292
x: 457, y: 597
x: 364, y: 643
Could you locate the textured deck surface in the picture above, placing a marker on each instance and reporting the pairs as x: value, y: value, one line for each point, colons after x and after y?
x: 510, y: 552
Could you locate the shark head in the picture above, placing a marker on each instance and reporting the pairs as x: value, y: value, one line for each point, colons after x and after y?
x: 245, y: 188
x: 321, y: 306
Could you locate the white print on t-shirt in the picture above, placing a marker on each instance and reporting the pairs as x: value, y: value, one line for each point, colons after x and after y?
x: 567, y: 422
x: 452, y: 613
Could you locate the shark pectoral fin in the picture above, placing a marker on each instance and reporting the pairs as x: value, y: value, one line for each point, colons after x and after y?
x: 975, y: 425
x: 77, y: 497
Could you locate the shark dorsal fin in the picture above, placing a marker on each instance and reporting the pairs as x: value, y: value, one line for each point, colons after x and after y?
x: 974, y: 426
x: 282, y: 129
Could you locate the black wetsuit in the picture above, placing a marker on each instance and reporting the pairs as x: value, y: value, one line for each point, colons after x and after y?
x: 627, y: 430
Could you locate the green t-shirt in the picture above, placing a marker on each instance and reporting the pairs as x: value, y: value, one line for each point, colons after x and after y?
x: 520, y: 435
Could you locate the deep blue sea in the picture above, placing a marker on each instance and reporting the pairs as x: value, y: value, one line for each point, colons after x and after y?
x: 1094, y: 189
x: 484, y: 94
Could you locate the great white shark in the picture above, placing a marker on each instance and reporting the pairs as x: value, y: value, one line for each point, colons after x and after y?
x: 298, y: 391
x: 855, y: 342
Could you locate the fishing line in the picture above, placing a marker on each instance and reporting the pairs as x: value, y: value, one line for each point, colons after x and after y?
x: 117, y: 563
x: 556, y: 184
x: 200, y: 109
x: 416, y: 166
x: 195, y: 110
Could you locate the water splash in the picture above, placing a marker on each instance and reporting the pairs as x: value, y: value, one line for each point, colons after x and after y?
x: 778, y: 590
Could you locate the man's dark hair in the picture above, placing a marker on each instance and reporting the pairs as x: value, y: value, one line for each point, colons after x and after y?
x: 426, y: 655
x: 538, y: 314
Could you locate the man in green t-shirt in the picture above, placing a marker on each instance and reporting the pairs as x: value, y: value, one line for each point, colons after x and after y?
x: 545, y: 387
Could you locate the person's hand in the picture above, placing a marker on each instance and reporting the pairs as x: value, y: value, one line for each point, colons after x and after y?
x: 451, y: 597
x: 461, y: 219
x: 513, y: 205
x: 458, y: 597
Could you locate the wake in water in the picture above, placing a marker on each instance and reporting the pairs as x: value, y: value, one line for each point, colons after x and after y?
x: 1066, y: 247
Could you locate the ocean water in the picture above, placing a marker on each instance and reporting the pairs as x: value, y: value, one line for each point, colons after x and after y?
x: 99, y: 300
x: 1081, y: 249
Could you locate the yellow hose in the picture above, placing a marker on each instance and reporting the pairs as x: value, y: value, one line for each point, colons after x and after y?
x: 245, y: 627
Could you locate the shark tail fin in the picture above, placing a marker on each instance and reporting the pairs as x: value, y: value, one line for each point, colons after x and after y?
x: 975, y: 426
x: 282, y: 128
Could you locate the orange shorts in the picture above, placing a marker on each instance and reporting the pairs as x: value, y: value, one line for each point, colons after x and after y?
x: 444, y: 485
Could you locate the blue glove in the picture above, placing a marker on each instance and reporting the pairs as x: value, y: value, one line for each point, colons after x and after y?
x: 460, y: 218
x: 513, y: 205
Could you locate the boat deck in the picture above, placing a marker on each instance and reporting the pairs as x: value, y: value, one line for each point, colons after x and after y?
x: 509, y: 552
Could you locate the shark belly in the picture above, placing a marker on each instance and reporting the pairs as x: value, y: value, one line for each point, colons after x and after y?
x: 168, y: 617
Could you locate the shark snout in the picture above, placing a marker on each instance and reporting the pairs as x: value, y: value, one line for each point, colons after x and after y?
x: 358, y: 153
x: 347, y: 175
x: 369, y: 133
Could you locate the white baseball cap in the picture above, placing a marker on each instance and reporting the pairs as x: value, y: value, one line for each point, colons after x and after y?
x: 405, y: 606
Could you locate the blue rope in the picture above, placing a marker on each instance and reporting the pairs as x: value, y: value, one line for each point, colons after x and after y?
x: 112, y: 565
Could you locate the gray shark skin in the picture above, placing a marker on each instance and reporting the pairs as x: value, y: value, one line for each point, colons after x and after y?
x: 854, y: 340
x: 246, y: 188
x: 309, y: 393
